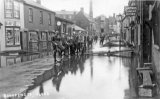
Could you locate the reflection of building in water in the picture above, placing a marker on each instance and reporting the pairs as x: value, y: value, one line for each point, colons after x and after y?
x: 81, y: 64
x: 133, y: 79
x: 72, y: 65
x: 15, y: 59
x: 91, y: 64
x: 9, y: 60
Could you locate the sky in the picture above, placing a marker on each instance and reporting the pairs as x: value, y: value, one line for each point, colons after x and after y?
x: 100, y: 7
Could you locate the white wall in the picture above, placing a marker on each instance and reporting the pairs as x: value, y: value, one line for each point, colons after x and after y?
x: 2, y: 34
x: 21, y: 20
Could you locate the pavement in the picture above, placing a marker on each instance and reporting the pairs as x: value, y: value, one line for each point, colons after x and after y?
x: 16, y: 79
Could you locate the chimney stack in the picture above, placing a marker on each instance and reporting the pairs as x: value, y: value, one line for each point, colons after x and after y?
x: 114, y: 15
x: 38, y: 1
x: 82, y: 10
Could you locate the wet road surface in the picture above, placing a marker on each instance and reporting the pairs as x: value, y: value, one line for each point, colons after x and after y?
x: 91, y: 77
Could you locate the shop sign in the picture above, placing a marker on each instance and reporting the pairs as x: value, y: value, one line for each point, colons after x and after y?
x: 12, y: 23
x: 9, y: 23
x: 16, y: 23
x: 130, y: 10
x: 130, y: 14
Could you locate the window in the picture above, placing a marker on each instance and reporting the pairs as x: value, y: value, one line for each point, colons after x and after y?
x: 9, y: 36
x: 9, y: 8
x: 43, y: 36
x: 41, y: 17
x: 70, y: 17
x: 17, y: 36
x: 12, y: 9
x: 33, y: 37
x: 156, y: 20
x: 30, y: 15
x: 16, y: 10
x: 49, y: 15
x: 67, y: 16
x: 64, y: 17
x: 12, y: 36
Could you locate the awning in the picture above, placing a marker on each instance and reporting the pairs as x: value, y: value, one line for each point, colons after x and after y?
x: 77, y: 28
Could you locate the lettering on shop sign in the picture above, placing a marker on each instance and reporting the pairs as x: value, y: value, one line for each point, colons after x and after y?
x: 130, y: 10
x: 9, y: 23
x: 12, y: 23
x: 130, y: 14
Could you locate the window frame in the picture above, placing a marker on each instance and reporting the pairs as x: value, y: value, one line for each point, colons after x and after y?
x: 30, y: 13
x: 50, y: 19
x: 17, y: 10
x: 12, y: 9
x: 8, y: 9
x: 13, y: 35
x: 41, y: 17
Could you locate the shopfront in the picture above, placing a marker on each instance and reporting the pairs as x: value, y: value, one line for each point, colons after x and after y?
x: 50, y: 35
x: 43, y: 41
x: 33, y: 40
x: 12, y: 34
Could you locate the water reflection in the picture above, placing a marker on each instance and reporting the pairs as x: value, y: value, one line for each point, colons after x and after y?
x: 74, y: 79
x: 9, y: 60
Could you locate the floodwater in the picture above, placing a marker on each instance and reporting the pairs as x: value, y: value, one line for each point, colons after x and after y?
x: 13, y: 59
x: 91, y: 77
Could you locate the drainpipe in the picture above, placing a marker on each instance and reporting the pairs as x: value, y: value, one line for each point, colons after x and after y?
x: 141, y: 20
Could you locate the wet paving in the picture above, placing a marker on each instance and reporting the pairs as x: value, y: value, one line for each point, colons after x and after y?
x: 91, y: 77
x: 7, y: 60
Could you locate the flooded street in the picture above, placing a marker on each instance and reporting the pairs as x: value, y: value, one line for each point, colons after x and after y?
x: 90, y: 77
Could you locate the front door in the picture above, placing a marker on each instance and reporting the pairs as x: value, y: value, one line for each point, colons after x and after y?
x: 24, y: 41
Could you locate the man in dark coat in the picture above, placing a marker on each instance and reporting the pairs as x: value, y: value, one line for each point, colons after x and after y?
x: 54, y: 44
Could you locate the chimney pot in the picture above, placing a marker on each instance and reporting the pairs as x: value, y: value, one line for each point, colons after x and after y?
x: 38, y: 1
x: 82, y: 10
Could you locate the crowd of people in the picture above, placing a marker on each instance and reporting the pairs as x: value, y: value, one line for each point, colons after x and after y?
x: 64, y: 45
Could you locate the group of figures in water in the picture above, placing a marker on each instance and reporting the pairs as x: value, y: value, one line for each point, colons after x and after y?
x: 69, y: 46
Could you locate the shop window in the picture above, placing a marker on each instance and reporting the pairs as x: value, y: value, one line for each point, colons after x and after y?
x: 156, y: 20
x: 9, y: 36
x: 33, y: 37
x: 43, y: 36
x: 17, y: 36
x: 12, y: 36
x: 50, y: 35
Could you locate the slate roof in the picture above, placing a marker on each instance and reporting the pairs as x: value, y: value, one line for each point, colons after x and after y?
x: 34, y: 4
x: 62, y: 19
x: 66, y: 12
x: 76, y: 27
x: 88, y: 17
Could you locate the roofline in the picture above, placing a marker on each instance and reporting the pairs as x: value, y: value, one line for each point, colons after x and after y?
x: 39, y: 7
x: 64, y: 19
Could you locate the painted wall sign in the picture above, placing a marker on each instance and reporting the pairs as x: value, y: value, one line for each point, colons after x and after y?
x: 12, y: 23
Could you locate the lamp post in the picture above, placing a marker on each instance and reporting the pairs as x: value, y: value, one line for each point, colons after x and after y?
x: 121, y: 26
x: 59, y: 25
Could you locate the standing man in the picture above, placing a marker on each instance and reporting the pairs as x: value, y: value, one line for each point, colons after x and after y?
x: 102, y: 39
x: 54, y: 44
